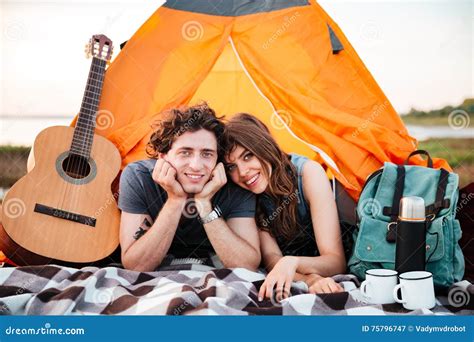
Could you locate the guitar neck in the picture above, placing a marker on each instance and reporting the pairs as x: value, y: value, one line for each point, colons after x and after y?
x: 85, y: 125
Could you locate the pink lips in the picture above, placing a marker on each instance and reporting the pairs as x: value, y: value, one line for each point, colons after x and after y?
x: 255, y: 181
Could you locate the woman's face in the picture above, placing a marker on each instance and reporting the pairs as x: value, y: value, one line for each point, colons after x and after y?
x: 246, y: 171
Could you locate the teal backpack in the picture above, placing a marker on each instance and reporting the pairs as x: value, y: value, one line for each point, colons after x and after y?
x: 377, y: 213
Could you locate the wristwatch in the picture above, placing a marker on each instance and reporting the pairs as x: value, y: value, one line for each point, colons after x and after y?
x: 214, y: 214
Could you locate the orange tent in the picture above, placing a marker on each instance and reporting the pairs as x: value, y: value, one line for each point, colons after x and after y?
x: 286, y: 62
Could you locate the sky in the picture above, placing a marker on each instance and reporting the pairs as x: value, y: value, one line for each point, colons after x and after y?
x: 420, y: 52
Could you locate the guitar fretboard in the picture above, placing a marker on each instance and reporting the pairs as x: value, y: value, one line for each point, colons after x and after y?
x: 85, y: 125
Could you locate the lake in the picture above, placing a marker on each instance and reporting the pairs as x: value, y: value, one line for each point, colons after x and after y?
x: 23, y: 131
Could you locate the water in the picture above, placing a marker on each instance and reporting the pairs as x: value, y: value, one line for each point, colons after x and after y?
x: 23, y: 131
x: 424, y: 133
x: 15, y: 131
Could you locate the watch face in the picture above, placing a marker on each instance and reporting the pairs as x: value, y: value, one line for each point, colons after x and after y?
x: 214, y: 214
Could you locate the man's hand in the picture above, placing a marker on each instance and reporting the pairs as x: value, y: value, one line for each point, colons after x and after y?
x: 217, y: 181
x: 164, y: 174
x: 319, y: 284
x: 282, y: 276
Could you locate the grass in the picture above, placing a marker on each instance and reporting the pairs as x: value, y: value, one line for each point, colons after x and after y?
x: 430, y: 120
x: 460, y: 115
x: 458, y: 152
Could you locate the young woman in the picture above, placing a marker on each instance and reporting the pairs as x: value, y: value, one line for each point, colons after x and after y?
x: 296, y: 212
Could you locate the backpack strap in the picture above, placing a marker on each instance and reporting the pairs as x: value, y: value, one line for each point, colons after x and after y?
x: 395, y: 208
x: 440, y: 203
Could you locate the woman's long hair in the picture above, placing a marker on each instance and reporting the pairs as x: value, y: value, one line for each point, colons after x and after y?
x: 249, y: 132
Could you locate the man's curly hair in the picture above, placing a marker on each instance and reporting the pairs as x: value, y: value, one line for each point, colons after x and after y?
x: 178, y: 121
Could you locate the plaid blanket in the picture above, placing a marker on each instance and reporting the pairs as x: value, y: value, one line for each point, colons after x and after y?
x: 185, y: 290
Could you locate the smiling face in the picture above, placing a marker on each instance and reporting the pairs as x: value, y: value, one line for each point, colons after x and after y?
x: 194, y: 156
x: 246, y: 170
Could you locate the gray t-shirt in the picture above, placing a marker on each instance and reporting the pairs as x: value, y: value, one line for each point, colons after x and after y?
x: 139, y: 194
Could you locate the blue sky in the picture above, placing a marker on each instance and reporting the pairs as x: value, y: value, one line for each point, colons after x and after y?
x: 420, y: 52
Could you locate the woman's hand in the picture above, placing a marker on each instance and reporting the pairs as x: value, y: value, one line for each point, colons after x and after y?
x: 282, y: 276
x: 319, y: 284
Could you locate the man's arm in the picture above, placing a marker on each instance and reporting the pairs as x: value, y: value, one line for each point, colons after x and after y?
x: 236, y: 241
x: 144, y: 243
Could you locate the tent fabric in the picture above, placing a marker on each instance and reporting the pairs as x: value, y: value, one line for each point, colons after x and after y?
x: 280, y: 65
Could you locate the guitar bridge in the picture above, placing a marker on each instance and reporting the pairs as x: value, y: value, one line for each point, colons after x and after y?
x: 65, y: 215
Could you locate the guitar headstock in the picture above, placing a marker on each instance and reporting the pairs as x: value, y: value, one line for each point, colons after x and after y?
x: 100, y: 46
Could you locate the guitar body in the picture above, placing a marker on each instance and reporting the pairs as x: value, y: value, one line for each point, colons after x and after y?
x: 64, y: 209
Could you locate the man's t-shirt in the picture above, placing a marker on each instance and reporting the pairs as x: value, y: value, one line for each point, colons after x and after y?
x: 139, y: 194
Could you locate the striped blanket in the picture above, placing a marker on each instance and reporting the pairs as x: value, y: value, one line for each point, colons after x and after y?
x: 185, y: 290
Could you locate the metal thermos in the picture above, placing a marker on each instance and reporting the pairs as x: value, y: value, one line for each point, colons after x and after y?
x: 411, y: 235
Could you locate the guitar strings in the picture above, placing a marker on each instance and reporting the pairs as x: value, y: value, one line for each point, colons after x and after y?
x: 97, y: 69
x: 95, y: 84
x: 78, y: 165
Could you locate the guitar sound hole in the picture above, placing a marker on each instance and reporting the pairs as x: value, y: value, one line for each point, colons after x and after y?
x: 76, y: 166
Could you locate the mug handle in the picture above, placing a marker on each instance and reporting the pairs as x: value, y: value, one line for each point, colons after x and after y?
x: 363, y: 288
x: 395, y: 294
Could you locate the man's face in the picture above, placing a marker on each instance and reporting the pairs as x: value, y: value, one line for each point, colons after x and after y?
x: 194, y: 156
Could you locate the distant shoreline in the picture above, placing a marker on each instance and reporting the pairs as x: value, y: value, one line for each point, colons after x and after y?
x: 458, y: 153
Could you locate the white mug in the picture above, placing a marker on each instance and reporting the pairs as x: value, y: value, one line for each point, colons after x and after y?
x: 417, y: 290
x: 377, y: 288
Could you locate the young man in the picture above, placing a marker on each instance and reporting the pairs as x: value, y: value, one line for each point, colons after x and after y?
x: 179, y: 202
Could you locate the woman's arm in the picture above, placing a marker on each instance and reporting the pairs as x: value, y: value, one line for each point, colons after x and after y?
x: 327, y: 231
x: 282, y: 272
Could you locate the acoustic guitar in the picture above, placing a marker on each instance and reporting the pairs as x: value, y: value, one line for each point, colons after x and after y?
x: 63, y: 208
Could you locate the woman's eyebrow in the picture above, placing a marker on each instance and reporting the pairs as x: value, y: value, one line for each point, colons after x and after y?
x: 243, y: 152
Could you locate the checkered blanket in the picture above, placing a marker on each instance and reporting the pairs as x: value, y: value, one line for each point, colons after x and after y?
x: 184, y: 290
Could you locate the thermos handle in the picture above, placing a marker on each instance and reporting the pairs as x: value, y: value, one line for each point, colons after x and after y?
x: 395, y: 294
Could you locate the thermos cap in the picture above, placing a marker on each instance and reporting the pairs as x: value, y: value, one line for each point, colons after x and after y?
x: 412, y: 208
